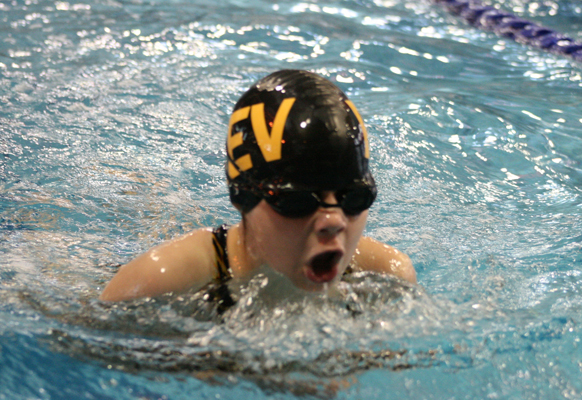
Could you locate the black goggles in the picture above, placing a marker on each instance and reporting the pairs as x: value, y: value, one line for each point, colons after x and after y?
x: 294, y: 203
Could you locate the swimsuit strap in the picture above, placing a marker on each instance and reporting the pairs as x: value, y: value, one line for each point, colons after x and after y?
x: 221, y: 293
x: 221, y: 255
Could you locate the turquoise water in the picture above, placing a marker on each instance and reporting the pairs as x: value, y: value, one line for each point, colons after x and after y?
x: 112, y: 126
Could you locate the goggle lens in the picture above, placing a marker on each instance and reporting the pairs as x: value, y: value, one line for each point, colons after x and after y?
x: 297, y: 204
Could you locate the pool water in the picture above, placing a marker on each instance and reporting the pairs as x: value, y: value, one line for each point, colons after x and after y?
x: 112, y: 125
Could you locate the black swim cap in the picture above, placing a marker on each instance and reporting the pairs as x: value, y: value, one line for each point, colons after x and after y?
x: 298, y: 130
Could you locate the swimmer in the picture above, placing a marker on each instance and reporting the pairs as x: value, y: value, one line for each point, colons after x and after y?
x: 297, y: 171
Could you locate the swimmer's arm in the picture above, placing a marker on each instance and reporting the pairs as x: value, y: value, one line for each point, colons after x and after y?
x: 372, y: 255
x: 174, y: 266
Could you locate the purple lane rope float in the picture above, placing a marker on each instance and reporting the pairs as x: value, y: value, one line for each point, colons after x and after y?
x: 511, y: 26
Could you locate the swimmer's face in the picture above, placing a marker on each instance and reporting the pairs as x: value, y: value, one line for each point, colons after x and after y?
x: 311, y: 251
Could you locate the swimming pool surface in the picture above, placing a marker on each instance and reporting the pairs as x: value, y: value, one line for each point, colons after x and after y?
x: 113, y: 117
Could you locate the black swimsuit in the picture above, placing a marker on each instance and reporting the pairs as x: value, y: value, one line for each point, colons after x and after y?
x: 219, y: 292
x: 221, y: 254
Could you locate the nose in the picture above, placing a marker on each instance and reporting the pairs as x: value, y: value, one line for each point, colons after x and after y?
x: 330, y: 221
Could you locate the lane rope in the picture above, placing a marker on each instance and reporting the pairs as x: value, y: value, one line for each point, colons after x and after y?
x: 511, y: 26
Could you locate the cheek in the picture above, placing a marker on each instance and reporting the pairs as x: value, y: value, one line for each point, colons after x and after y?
x: 276, y: 238
x: 285, y: 237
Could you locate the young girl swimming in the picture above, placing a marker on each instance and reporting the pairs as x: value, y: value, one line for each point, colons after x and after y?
x: 297, y: 170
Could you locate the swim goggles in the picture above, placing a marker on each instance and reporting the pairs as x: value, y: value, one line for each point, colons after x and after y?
x: 293, y: 203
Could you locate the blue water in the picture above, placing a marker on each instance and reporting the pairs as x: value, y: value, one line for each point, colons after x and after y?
x: 112, y: 127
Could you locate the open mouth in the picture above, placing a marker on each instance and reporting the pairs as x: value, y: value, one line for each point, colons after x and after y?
x: 323, y: 267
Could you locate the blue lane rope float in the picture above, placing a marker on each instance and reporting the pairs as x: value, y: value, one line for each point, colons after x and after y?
x: 508, y: 25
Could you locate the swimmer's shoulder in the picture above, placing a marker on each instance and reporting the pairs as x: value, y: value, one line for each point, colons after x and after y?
x: 372, y: 255
x: 174, y: 266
